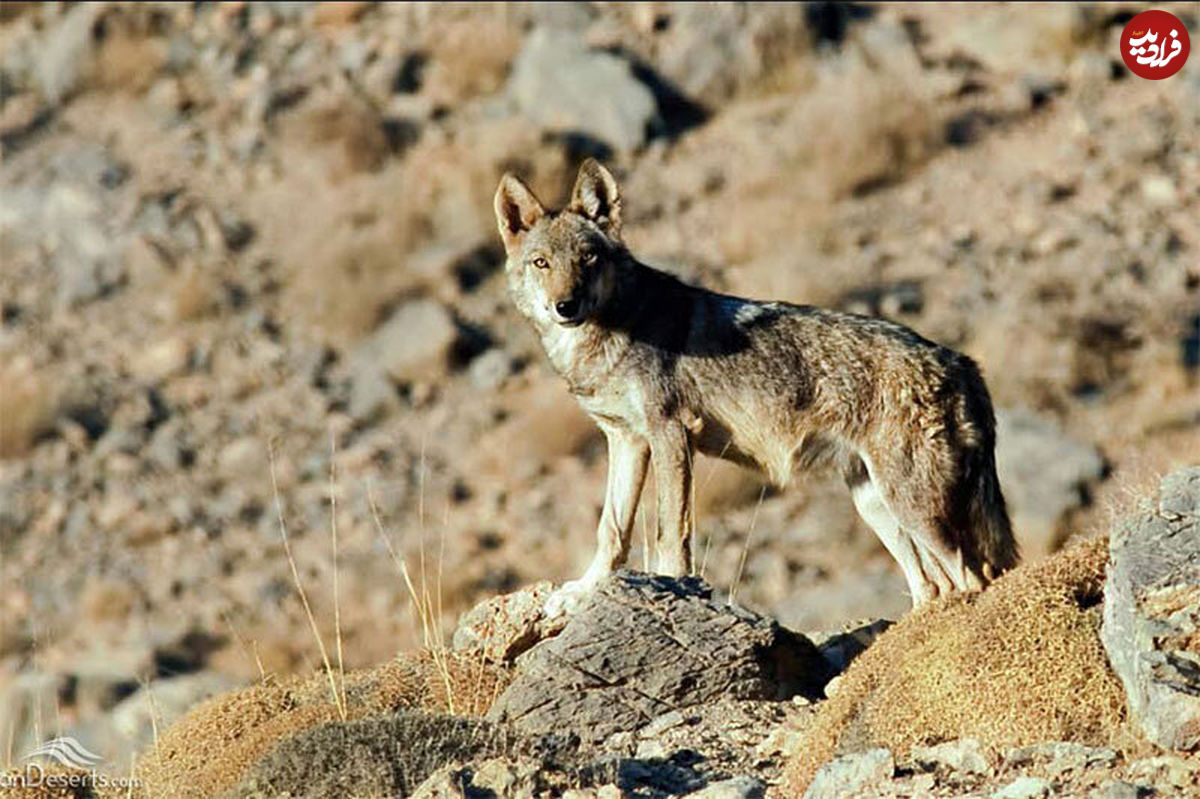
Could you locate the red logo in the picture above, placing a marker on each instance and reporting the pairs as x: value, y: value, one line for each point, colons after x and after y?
x: 1155, y: 44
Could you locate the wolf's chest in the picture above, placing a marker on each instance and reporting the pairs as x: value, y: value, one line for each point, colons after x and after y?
x: 623, y: 408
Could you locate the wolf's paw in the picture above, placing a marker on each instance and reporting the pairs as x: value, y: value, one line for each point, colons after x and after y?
x: 567, y: 599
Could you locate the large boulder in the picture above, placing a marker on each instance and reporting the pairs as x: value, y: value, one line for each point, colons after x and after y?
x: 1151, y: 627
x: 561, y: 84
x: 644, y: 645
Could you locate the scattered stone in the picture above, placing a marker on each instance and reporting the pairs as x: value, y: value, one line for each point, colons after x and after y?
x: 415, y: 343
x: 66, y: 50
x: 1118, y: 789
x: 504, y: 627
x: 964, y: 756
x: 559, y: 83
x: 1061, y: 756
x: 851, y: 774
x: 161, y: 360
x: 1151, y: 627
x: 1044, y: 474
x: 1024, y: 788
x: 489, y: 371
x: 643, y: 645
x: 744, y: 787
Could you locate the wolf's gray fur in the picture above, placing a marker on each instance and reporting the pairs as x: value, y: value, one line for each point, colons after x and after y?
x: 667, y: 369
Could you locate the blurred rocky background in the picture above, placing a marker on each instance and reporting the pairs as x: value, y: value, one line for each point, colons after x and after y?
x: 251, y: 293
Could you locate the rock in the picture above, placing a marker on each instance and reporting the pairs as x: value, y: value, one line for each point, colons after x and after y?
x: 415, y: 343
x: 744, y: 787
x: 1117, y: 789
x: 559, y: 83
x: 489, y: 371
x: 841, y: 648
x: 643, y: 645
x: 1151, y: 628
x: 66, y: 50
x: 161, y: 360
x: 964, y: 756
x: 1044, y: 474
x: 503, y: 627
x: 243, y: 458
x: 371, y: 394
x: 1059, y: 757
x: 710, y: 51
x: 851, y: 774
x: 133, y: 723
x: 1024, y: 788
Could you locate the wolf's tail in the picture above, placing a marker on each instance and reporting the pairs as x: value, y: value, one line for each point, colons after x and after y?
x: 990, y: 547
x: 987, y: 513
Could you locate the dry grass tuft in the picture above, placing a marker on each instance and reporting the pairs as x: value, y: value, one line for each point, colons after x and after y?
x: 1016, y: 664
x: 211, y: 748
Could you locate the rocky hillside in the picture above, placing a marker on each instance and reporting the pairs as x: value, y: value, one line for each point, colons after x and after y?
x: 253, y: 332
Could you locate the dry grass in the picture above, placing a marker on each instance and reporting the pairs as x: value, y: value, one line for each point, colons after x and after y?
x: 1017, y: 664
x: 209, y: 750
x: 27, y: 406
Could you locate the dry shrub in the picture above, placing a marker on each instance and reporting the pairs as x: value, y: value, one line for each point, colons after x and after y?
x: 470, y: 56
x: 210, y: 749
x: 352, y: 129
x: 347, y: 237
x: 27, y: 406
x: 129, y: 62
x: 1016, y: 664
x: 386, y: 756
x: 772, y: 167
x: 544, y: 423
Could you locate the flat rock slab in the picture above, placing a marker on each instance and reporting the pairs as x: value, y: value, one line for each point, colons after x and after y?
x: 641, y: 646
x: 1151, y: 627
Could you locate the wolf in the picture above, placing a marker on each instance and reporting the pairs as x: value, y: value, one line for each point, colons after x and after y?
x: 667, y: 369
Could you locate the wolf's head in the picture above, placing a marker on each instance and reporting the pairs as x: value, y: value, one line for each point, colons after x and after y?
x: 560, y: 265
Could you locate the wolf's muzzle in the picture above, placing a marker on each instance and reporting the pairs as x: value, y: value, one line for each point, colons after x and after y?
x: 570, y: 310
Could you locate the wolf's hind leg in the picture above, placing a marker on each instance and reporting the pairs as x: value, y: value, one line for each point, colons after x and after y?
x: 870, y: 504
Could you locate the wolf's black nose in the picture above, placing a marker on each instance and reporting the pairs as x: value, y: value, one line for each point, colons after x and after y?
x: 569, y: 309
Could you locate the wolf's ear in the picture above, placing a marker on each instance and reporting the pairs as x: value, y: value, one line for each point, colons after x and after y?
x: 517, y: 209
x: 597, y: 197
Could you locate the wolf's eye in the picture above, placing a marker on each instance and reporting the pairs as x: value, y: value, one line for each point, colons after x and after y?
x: 590, y: 258
x: 541, y: 263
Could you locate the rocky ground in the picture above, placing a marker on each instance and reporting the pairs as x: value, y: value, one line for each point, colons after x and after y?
x: 250, y: 305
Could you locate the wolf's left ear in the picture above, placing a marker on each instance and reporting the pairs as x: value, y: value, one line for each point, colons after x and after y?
x: 597, y: 197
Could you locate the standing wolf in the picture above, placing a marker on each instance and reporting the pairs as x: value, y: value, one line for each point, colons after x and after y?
x: 666, y: 369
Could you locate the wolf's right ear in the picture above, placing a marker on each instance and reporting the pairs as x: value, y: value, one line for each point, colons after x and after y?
x: 517, y: 210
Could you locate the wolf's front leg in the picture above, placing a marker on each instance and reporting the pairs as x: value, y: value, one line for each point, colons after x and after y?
x: 671, y: 451
x: 627, y: 460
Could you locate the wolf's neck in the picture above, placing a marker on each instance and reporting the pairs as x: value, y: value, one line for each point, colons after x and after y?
x: 646, y: 308
x: 584, y: 356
